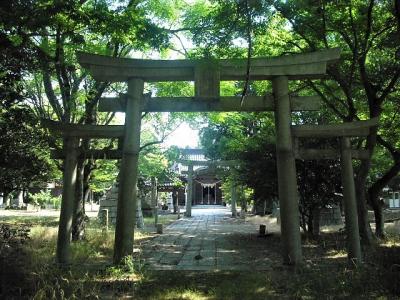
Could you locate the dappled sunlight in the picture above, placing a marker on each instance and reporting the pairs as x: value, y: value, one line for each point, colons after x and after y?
x: 269, y: 221
x: 331, y: 228
x: 391, y: 242
x: 260, y: 290
x: 187, y: 294
x: 336, y: 254
x: 140, y: 236
x: 393, y: 228
x: 43, y: 233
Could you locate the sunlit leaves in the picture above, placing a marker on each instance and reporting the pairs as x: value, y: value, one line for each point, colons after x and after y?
x: 24, y: 156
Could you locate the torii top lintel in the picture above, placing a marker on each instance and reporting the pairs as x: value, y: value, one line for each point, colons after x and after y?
x: 296, y: 66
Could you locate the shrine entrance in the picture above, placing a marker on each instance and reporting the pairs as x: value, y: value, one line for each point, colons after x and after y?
x: 207, y: 188
x: 208, y: 196
x: 207, y: 75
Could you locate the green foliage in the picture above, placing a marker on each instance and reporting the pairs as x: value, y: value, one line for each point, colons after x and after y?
x: 44, y: 197
x: 24, y: 159
x: 103, y: 176
x: 217, y: 27
x: 128, y: 265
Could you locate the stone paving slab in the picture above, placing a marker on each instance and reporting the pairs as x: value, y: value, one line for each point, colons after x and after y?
x: 210, y: 240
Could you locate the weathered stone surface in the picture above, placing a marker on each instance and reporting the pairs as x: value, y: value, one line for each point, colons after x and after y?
x: 110, y: 199
x: 331, y: 216
x: 298, y: 66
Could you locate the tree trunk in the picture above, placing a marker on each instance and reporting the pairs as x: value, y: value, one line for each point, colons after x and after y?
x: 379, y: 219
x: 86, y: 178
x: 6, y: 199
x: 139, y: 213
x: 310, y: 223
x: 316, y: 221
x: 243, y: 205
x: 243, y: 200
x: 303, y: 222
x: 175, y: 201
x: 373, y: 195
x: 364, y: 226
x: 79, y: 217
x: 259, y: 207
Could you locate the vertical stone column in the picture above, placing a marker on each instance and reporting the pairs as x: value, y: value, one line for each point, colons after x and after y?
x: 287, y: 183
x: 127, y: 193
x: 350, y: 204
x: 233, y: 199
x: 189, y: 198
x: 215, y: 193
x: 63, y: 252
x: 154, y: 198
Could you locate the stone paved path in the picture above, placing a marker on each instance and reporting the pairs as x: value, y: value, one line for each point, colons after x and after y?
x: 209, y: 240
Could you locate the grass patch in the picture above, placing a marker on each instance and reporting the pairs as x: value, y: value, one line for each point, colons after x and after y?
x: 30, y: 220
x: 276, y: 284
x: 162, y: 219
x: 32, y: 272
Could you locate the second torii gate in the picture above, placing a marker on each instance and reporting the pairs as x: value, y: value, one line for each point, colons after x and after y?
x: 206, y: 75
x: 191, y: 164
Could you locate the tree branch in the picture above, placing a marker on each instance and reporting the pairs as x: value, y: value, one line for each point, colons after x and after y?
x: 393, y: 151
x: 369, y: 26
x: 378, y: 185
x: 326, y: 100
x: 150, y: 144
x: 390, y: 86
x: 249, y: 41
x: 51, y: 96
x: 182, y: 45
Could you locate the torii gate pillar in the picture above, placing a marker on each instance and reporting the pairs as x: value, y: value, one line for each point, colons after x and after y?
x: 350, y: 204
x: 189, y: 195
x: 67, y: 204
x: 287, y: 183
x: 234, y: 197
x: 127, y: 193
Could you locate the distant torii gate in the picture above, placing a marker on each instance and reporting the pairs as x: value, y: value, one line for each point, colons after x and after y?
x: 192, y: 163
x: 206, y: 75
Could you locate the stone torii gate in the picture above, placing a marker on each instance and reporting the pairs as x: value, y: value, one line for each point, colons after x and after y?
x: 343, y: 132
x: 206, y: 75
x: 191, y: 164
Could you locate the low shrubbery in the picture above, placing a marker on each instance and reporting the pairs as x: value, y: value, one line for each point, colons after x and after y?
x: 45, y: 199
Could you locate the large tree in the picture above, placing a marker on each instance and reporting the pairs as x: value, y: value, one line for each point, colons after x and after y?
x: 61, y: 90
x: 363, y: 85
x: 24, y: 159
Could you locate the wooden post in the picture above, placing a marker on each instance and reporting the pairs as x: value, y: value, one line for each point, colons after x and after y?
x: 154, y: 199
x: 189, y: 199
x: 68, y: 199
x: 287, y: 184
x: 350, y: 205
x: 127, y: 193
x: 233, y: 199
